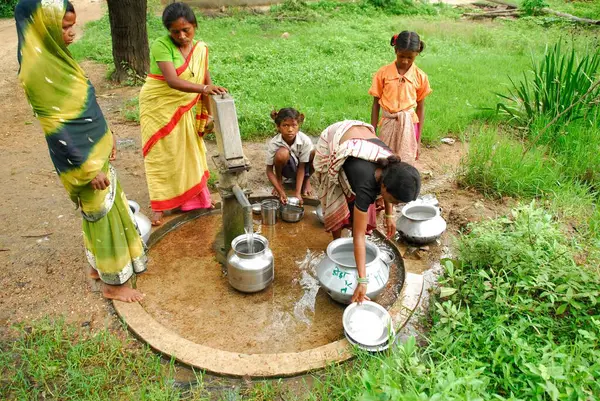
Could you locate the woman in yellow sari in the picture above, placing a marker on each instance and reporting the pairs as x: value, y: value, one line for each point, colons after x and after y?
x: 80, y: 143
x: 174, y: 115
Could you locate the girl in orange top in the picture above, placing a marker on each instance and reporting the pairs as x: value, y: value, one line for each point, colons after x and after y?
x: 400, y: 89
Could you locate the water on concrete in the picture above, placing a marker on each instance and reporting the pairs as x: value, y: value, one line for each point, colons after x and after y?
x: 187, y: 290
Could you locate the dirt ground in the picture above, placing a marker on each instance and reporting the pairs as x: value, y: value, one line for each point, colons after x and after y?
x: 42, y: 261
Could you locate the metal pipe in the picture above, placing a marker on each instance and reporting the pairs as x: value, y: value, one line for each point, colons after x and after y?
x: 245, y: 204
x: 240, y: 196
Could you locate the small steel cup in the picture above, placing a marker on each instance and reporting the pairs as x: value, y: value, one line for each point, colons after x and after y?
x: 269, y: 208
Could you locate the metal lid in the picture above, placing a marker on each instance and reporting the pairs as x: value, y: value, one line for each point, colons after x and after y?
x: 367, y: 324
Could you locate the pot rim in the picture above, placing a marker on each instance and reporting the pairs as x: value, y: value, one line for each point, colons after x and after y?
x: 414, y: 204
x: 242, y: 238
x: 340, y: 241
x: 133, y: 204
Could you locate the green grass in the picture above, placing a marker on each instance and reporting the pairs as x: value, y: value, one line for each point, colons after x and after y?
x: 575, y: 146
x: 496, y: 166
x: 131, y: 110
x: 213, y: 179
x: 522, y: 323
x: 324, y: 68
x: 53, y: 360
x: 580, y: 8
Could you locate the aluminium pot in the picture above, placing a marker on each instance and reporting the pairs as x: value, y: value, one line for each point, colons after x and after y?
x: 338, y: 275
x: 250, y: 270
x: 143, y: 223
x: 291, y: 213
x: 420, y: 223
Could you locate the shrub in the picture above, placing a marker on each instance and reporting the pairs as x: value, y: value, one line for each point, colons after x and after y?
x: 516, y: 319
x: 551, y: 86
x: 533, y: 7
x: 7, y: 8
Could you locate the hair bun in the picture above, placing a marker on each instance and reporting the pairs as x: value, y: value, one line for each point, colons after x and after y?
x: 274, y: 114
x: 383, y: 162
x: 393, y: 159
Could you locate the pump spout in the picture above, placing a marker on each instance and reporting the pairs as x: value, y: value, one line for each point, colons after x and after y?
x: 247, y: 208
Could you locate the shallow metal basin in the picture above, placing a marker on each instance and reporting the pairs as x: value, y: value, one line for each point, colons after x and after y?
x: 291, y: 213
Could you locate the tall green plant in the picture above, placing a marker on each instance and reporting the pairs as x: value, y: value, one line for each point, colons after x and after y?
x: 551, y: 86
x: 495, y: 166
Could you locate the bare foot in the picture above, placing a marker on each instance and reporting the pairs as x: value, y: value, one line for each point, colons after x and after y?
x: 308, y: 191
x: 93, y: 273
x: 157, y: 218
x: 122, y: 293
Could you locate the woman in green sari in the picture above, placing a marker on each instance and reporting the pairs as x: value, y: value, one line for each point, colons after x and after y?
x: 80, y: 143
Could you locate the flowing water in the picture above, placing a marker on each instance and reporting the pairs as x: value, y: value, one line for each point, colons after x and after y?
x: 250, y: 238
x: 187, y: 290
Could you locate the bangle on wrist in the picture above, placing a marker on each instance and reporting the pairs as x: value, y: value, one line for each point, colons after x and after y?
x: 390, y: 216
x: 363, y: 280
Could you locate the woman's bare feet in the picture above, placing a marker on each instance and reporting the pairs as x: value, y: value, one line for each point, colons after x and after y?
x: 308, y: 191
x: 157, y: 218
x: 122, y: 293
x: 93, y: 273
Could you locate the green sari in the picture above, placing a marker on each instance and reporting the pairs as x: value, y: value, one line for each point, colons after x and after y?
x: 79, y: 140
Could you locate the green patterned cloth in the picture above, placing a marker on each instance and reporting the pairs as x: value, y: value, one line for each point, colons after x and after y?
x: 79, y: 140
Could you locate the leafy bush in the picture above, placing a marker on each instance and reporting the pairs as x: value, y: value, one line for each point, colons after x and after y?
x: 533, y: 311
x: 403, y: 7
x: 7, y: 8
x: 532, y: 7
x: 517, y: 319
x: 552, y: 86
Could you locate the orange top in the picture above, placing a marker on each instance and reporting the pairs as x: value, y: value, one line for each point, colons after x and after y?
x: 400, y: 92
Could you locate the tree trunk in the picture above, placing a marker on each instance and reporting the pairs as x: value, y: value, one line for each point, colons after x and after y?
x: 571, y: 17
x: 129, y: 39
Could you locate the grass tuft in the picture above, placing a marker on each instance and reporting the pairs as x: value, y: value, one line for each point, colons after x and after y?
x: 53, y: 360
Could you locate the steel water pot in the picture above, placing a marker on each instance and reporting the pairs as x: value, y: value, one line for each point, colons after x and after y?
x: 420, y: 222
x: 143, y: 223
x: 250, y: 270
x: 338, y: 275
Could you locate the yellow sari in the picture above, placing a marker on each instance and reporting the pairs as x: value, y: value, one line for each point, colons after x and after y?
x: 78, y: 138
x: 172, y: 124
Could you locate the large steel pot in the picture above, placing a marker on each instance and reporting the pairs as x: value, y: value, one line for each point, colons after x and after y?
x: 420, y: 222
x: 250, y: 270
x: 338, y: 275
x: 319, y: 212
x: 143, y: 223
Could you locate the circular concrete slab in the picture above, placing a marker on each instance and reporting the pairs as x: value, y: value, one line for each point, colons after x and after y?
x: 162, y: 336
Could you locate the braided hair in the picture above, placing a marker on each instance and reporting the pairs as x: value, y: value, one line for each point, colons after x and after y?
x: 401, y: 180
x: 407, y: 41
